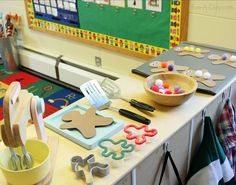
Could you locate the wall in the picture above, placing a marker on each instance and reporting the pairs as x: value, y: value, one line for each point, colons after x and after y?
x: 213, y: 22
x: 84, y: 53
x: 210, y: 21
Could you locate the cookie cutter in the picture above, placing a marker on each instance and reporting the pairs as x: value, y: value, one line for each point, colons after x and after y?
x: 115, y: 151
x: 140, y: 135
x: 94, y: 168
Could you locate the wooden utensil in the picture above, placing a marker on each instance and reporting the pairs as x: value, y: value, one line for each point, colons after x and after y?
x: 20, y: 126
x: 37, y: 109
x: 15, y: 160
x: 9, y: 105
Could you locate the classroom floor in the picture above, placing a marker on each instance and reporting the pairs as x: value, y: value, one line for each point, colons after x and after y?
x: 55, y: 96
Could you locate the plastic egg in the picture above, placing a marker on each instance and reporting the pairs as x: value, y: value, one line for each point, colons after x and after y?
x: 207, y: 75
x: 198, y: 73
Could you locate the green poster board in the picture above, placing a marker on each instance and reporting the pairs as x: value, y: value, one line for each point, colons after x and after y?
x: 136, y: 31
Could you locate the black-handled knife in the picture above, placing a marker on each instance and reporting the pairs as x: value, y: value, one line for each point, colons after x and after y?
x: 134, y: 116
x: 141, y: 105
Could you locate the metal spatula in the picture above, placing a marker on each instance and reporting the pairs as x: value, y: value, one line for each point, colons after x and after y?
x: 97, y: 97
x: 113, y: 91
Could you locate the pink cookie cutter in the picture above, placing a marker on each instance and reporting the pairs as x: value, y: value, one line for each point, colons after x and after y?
x: 139, y: 139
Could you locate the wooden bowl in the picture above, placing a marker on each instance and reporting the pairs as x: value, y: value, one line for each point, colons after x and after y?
x: 188, y: 84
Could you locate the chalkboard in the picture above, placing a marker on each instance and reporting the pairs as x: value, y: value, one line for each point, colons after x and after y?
x: 142, y: 28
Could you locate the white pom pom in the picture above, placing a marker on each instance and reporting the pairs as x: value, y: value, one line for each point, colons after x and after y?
x: 207, y: 75
x: 198, y: 73
x: 233, y: 58
x: 159, y: 83
x: 162, y: 91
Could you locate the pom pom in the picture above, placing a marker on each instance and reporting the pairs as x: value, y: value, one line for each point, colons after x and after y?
x: 198, y: 50
x: 171, y: 67
x: 168, y: 92
x: 233, y: 58
x: 207, y: 75
x: 162, y: 91
x: 181, y: 91
x: 155, y: 88
x: 166, y: 86
x: 177, y: 92
x: 177, y: 88
x: 198, y: 73
x: 159, y: 83
x: 191, y: 48
x: 164, y: 64
x: 225, y: 56
x: 186, y: 48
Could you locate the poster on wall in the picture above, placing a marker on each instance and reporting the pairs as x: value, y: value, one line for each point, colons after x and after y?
x: 135, y: 4
x: 154, y: 5
x: 120, y: 3
x: 59, y: 11
x: 88, y: 1
x: 105, y: 2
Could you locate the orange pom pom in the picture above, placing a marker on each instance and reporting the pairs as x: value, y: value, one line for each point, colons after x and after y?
x: 164, y: 64
x: 166, y: 86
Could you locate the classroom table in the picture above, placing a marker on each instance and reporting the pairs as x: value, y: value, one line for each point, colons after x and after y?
x: 169, y: 121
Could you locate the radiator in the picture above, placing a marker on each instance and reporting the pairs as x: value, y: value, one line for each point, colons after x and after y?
x: 61, y: 68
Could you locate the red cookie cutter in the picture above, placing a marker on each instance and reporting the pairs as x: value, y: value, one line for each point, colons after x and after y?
x: 139, y: 139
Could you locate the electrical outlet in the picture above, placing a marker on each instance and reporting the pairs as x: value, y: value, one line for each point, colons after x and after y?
x: 98, y: 61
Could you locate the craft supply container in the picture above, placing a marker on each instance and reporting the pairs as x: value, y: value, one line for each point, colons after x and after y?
x: 41, y: 164
x: 9, y: 53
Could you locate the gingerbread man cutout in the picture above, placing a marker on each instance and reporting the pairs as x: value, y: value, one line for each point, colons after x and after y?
x: 192, y: 51
x: 210, y: 81
x: 226, y: 58
x: 85, y: 123
x: 166, y: 66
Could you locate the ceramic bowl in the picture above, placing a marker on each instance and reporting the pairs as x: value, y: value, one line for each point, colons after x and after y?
x: 188, y: 84
x: 41, y: 166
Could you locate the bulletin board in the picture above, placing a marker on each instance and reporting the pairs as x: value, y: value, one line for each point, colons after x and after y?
x: 142, y: 28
